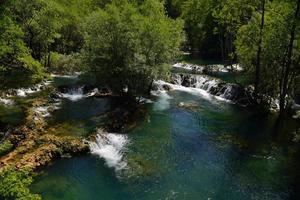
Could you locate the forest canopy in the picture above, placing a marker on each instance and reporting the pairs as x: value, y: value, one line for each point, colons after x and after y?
x: 129, y: 43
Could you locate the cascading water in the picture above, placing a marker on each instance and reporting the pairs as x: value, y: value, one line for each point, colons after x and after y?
x: 23, y: 92
x: 221, y: 90
x: 111, y: 148
x: 74, y: 94
x: 6, y: 101
x: 208, y: 68
x: 77, y: 93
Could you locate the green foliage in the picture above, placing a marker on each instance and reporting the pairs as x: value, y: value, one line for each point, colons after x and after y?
x: 5, y: 147
x: 12, y: 47
x: 232, y: 14
x: 14, y: 53
x: 275, y: 41
x: 197, y: 15
x: 61, y: 63
x: 14, y: 185
x: 128, y: 46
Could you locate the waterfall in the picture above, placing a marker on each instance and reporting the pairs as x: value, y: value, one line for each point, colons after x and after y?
x: 6, y: 101
x: 205, y: 86
x: 23, y: 92
x: 208, y: 68
x: 74, y: 94
x: 111, y: 148
x: 77, y: 93
x: 189, y: 67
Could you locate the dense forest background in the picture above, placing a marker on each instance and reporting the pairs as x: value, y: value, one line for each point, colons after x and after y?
x: 133, y: 40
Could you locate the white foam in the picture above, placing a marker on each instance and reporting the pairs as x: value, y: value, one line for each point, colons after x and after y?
x: 23, y: 92
x: 213, y: 67
x: 74, y: 94
x: 6, y: 101
x: 75, y: 75
x: 42, y: 111
x: 111, y: 148
x: 190, y: 67
x: 93, y: 92
x: 163, y: 102
x: 191, y: 90
x: 144, y: 100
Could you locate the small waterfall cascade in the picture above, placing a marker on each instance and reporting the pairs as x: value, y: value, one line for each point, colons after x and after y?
x: 23, y: 92
x: 213, y: 86
x: 74, y: 94
x: 206, y: 69
x: 110, y: 147
x: 6, y: 101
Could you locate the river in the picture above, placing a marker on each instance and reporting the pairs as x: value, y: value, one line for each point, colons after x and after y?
x: 190, y: 145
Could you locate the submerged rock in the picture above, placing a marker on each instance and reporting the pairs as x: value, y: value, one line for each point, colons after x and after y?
x: 33, y: 146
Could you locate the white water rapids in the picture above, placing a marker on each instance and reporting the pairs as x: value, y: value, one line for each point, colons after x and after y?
x: 74, y: 94
x: 6, y: 101
x: 111, y: 148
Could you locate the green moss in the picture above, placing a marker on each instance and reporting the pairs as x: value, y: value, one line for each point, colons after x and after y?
x: 5, y: 147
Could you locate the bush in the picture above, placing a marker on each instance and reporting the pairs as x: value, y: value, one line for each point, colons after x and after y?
x: 14, y: 185
x: 62, y: 64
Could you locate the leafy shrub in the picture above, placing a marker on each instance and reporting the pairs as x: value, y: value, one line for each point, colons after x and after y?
x: 61, y: 63
x: 14, y: 185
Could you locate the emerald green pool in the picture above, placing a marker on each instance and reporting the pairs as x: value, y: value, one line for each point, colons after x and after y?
x: 187, y: 147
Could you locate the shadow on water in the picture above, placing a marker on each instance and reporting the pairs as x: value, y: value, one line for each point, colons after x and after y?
x: 80, y: 117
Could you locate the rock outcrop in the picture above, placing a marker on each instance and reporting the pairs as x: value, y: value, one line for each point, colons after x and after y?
x: 34, y: 146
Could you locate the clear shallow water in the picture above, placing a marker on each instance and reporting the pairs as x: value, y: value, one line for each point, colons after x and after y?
x: 202, y: 149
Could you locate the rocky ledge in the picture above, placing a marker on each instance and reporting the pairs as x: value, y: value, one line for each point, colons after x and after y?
x: 34, y: 147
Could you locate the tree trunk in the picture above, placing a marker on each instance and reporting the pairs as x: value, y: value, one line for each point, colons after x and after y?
x: 287, y: 64
x: 258, y: 55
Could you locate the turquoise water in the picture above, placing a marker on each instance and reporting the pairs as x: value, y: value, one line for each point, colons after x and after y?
x: 206, y: 149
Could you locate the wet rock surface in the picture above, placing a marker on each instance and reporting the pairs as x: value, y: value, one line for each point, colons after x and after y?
x: 33, y: 146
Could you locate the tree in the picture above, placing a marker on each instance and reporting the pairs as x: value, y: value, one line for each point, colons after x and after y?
x: 199, y: 26
x: 259, y: 52
x: 288, y: 71
x: 230, y: 16
x: 127, y: 46
x: 277, y: 49
x: 14, y: 54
